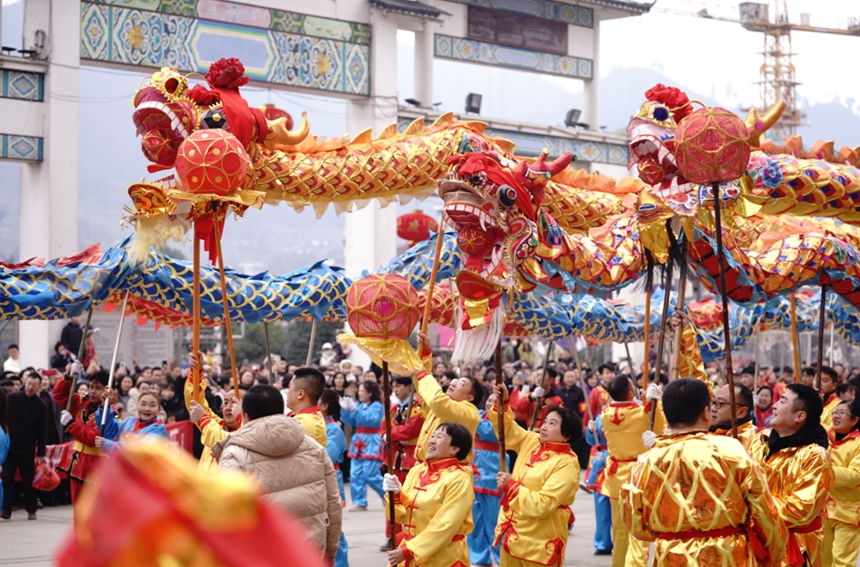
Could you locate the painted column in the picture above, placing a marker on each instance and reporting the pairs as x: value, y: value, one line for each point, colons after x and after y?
x: 424, y: 46
x: 591, y: 89
x: 49, y: 190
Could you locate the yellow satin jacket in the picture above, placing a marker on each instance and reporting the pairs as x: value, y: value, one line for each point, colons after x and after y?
x: 434, y: 506
x: 704, y: 502
x: 843, y: 505
x: 439, y: 408
x: 535, y: 512
x: 212, y: 428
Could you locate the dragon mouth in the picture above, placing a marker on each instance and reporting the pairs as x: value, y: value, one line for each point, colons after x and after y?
x: 480, y: 239
x: 161, y: 131
x: 657, y: 167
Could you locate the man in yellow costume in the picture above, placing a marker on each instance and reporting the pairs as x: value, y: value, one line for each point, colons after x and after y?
x: 212, y: 427
x: 457, y: 404
x: 721, y: 413
x: 434, y: 503
x: 793, y: 457
x: 700, y: 497
x: 625, y: 426
x: 303, y: 394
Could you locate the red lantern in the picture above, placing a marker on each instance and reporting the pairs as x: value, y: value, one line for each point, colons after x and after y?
x: 212, y: 161
x: 416, y: 226
x: 272, y: 112
x: 711, y: 146
x: 382, y: 307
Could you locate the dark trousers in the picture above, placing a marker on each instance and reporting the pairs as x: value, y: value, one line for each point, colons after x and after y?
x: 25, y: 464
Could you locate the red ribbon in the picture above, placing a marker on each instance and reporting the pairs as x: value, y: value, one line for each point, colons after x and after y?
x: 795, y: 555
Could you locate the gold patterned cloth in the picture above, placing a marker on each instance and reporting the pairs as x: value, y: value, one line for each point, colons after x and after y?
x: 435, y: 509
x: 702, y: 500
x: 535, y: 511
x: 800, y: 479
x: 690, y: 365
x: 746, y: 432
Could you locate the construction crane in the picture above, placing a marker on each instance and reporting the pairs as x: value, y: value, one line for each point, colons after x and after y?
x: 777, y: 78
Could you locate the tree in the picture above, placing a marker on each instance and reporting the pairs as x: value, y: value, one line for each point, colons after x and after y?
x: 252, y: 347
x: 298, y: 334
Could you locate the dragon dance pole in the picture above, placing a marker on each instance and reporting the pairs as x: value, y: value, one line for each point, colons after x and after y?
x: 795, y: 343
x: 425, y: 319
x: 389, y: 448
x: 503, y: 463
x: 647, y: 361
x: 582, y: 379
x: 113, y: 365
x: 311, y: 342
x: 81, y: 350
x: 675, y: 370
x: 664, y: 321
x: 197, y: 377
x: 831, y: 343
x: 542, y: 385
x: 721, y: 258
x: 268, y: 351
x: 821, y: 334
x: 228, y: 328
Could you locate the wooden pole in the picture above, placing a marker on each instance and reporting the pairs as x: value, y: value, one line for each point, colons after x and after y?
x: 664, y: 321
x: 757, y: 348
x: 821, y: 335
x: 311, y: 342
x: 228, y: 328
x: 112, y: 365
x: 832, y: 326
x: 795, y: 342
x: 721, y: 258
x: 269, y: 352
x: 425, y: 319
x: 81, y: 350
x: 647, y: 362
x: 538, y: 401
x: 503, y: 463
x: 675, y: 367
x: 389, y: 447
x: 197, y: 376
x: 582, y: 379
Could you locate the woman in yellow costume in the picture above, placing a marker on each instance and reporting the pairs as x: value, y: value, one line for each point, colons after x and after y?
x: 841, y: 517
x: 434, y: 504
x: 535, y: 513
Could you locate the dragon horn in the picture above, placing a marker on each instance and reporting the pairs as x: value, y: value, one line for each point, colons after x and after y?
x: 280, y: 136
x: 522, y: 169
x: 759, y: 125
x: 551, y: 168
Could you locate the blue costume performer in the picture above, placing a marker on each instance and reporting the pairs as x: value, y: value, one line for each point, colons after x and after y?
x: 488, y: 496
x: 133, y: 427
x: 336, y: 447
x: 594, y: 479
x: 367, y: 451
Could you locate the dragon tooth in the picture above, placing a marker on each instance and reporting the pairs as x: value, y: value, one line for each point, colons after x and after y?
x: 481, y: 220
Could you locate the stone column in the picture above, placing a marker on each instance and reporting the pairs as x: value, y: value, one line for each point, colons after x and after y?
x: 591, y: 88
x: 424, y: 49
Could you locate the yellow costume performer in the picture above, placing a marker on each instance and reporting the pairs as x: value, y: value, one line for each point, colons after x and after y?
x: 313, y: 422
x: 535, y: 512
x: 746, y: 432
x: 438, y: 407
x: 623, y: 425
x: 830, y: 403
x: 842, y: 516
x: 434, y: 507
x: 212, y: 428
x: 800, y: 479
x: 702, y: 500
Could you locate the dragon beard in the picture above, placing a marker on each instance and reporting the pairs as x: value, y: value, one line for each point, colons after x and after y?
x: 479, y: 343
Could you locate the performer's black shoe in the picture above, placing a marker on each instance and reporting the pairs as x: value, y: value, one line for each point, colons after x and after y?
x: 603, y: 552
x: 385, y: 547
x: 31, y: 515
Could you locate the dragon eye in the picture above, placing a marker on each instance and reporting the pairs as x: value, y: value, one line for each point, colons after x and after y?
x: 661, y: 113
x: 507, y: 196
x: 476, y: 179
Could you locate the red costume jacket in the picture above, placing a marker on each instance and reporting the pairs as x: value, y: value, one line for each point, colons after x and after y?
x: 83, y: 428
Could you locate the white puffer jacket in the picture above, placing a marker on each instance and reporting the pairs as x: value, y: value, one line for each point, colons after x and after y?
x: 293, y: 470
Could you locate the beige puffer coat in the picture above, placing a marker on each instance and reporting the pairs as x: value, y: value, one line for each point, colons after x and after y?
x: 294, y: 471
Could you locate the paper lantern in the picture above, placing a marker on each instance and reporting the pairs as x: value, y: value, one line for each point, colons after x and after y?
x: 711, y: 146
x: 212, y: 161
x: 272, y: 112
x: 382, y: 307
x: 416, y: 226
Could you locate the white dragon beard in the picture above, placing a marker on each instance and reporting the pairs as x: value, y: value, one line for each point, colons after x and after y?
x: 478, y: 344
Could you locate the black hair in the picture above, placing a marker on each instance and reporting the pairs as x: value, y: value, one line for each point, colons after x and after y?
x: 603, y: 367
x: 478, y: 392
x: 262, y: 401
x: 571, y: 424
x: 830, y: 372
x: 450, y: 375
x: 684, y: 400
x: 844, y: 388
x: 808, y: 370
x: 748, y: 370
x: 101, y: 377
x: 311, y: 380
x: 261, y: 380
x: 460, y: 438
x: 552, y: 373
x: 744, y: 397
x: 372, y: 388
x: 618, y: 388
x: 402, y: 380
x: 768, y: 388
x: 787, y: 369
x: 58, y: 345
x: 151, y: 394
x: 331, y: 400
x: 807, y: 400
x: 13, y: 345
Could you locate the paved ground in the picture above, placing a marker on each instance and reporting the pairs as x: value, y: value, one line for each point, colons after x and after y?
x: 33, y: 544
